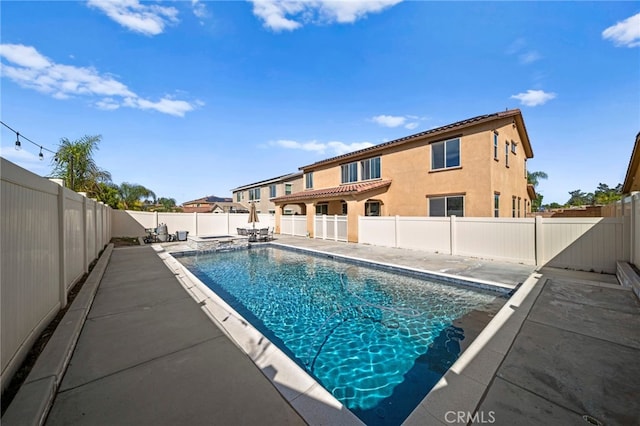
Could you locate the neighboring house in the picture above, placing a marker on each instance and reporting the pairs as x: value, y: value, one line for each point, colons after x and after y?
x: 213, y: 204
x: 632, y: 179
x: 475, y: 167
x: 262, y: 193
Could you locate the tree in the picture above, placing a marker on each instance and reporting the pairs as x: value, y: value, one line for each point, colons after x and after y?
x: 132, y: 194
x: 604, y: 195
x: 579, y: 198
x: 533, y: 178
x: 168, y: 204
x: 73, y: 162
x: 108, y: 194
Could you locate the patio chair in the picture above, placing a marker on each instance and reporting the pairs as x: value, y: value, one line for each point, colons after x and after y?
x: 242, y: 231
x: 263, y: 235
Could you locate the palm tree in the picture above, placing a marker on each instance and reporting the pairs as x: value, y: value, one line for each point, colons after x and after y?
x: 131, y: 195
x: 533, y: 178
x: 73, y: 162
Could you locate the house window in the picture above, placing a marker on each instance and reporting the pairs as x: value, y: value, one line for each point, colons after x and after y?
x: 288, y: 212
x: 372, y: 208
x: 322, y: 209
x: 272, y: 191
x: 513, y: 147
x: 445, y: 154
x: 496, y: 205
x: 349, y: 172
x: 254, y: 194
x: 506, y: 154
x: 370, y: 169
x: 238, y: 196
x: 344, y: 208
x: 446, y: 206
x: 308, y: 180
x: 287, y: 188
x: 519, y: 201
x: 495, y: 146
x: 513, y: 207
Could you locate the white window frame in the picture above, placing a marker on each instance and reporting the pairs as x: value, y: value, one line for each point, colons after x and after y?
x: 272, y: 191
x: 349, y: 172
x: 287, y: 189
x: 446, y: 144
x: 506, y: 154
x: 496, y: 205
x: 368, y: 167
x: 308, y: 180
x: 496, y: 155
x: 446, y: 201
x: 367, y: 208
x: 323, y: 208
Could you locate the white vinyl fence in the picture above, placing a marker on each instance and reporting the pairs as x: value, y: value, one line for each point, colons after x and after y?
x: 128, y: 223
x: 332, y: 227
x: 629, y: 209
x: 575, y: 243
x: 293, y: 225
x: 49, y: 236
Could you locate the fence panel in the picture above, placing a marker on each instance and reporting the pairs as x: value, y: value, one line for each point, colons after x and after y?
x: 178, y: 222
x: 377, y: 230
x: 74, y: 240
x: 424, y: 233
x: 30, y: 263
x: 507, y: 239
x: 588, y: 244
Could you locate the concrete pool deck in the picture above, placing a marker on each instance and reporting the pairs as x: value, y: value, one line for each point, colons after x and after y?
x: 564, y: 346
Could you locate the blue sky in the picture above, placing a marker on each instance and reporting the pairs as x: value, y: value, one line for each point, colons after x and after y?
x: 194, y: 98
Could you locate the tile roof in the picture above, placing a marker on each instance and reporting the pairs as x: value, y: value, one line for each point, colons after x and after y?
x: 349, y: 189
x: 453, y: 126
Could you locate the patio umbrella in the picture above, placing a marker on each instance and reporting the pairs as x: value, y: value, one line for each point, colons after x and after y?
x: 253, y: 215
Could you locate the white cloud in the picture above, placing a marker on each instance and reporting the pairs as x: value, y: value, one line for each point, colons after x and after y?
x: 625, y: 33
x: 142, y: 18
x: 289, y: 15
x: 408, y: 121
x: 534, y: 97
x: 529, y: 57
x: 389, y: 120
x: 199, y: 9
x: 333, y: 147
x: 29, y: 69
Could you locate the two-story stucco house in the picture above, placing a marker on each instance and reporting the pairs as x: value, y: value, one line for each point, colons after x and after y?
x: 262, y: 193
x: 474, y: 167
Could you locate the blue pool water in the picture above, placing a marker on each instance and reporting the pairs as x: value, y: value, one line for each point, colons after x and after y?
x: 377, y: 340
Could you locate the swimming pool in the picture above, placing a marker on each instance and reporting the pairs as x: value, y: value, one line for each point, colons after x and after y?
x: 377, y: 340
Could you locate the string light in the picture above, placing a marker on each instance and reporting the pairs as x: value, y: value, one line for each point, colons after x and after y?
x: 18, y: 144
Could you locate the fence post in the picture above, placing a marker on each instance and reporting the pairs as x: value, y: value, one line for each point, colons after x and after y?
x: 85, y: 235
x: 195, y: 224
x: 61, y: 249
x: 335, y: 227
x: 452, y: 235
x: 633, y: 227
x: 539, y: 241
x: 395, y: 231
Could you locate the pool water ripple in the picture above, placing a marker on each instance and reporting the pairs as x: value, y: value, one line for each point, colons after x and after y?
x: 360, y: 331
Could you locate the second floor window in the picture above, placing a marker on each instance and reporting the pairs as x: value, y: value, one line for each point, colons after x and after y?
x: 308, y: 180
x: 254, y: 194
x: 495, y: 146
x: 349, y: 172
x: 272, y: 191
x: 370, y: 169
x: 445, y: 154
x: 287, y: 188
x: 238, y: 196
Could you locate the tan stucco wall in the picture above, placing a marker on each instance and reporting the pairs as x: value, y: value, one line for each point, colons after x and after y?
x: 265, y: 205
x: 409, y: 168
